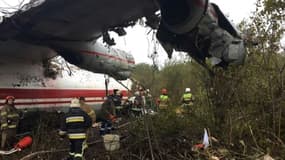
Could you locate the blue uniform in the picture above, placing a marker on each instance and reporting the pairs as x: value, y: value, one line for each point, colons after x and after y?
x: 75, y: 124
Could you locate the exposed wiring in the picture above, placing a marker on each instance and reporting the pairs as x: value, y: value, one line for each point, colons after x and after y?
x: 69, y: 69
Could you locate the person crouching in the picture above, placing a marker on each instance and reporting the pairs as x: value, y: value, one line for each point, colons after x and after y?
x: 109, y: 116
x: 75, y: 124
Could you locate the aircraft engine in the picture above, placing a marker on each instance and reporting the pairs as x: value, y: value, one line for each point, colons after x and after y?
x: 200, y: 29
x: 97, y: 58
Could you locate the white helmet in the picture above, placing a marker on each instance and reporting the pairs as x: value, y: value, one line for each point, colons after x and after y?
x: 118, y: 93
x: 187, y: 90
x: 74, y: 102
x: 137, y: 93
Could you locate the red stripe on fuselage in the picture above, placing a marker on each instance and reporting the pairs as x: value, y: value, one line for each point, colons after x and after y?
x: 50, y: 102
x: 108, y: 56
x: 52, y: 93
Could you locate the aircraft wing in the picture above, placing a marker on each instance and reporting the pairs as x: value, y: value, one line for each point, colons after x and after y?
x: 70, y: 28
x: 72, y: 20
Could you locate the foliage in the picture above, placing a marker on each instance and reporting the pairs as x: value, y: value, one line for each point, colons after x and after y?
x: 242, y: 103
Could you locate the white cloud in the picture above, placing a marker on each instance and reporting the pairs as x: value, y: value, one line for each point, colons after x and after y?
x: 140, y: 42
x: 236, y: 9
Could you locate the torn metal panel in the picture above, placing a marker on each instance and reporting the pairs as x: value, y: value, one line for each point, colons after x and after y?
x: 201, y: 30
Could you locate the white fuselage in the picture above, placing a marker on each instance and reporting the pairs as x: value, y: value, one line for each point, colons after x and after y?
x: 33, y: 89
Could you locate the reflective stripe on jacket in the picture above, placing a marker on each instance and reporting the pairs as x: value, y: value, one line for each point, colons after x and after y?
x: 9, y: 117
x: 187, y: 98
x: 77, y: 135
x: 164, y: 98
x: 75, y: 124
x: 163, y: 101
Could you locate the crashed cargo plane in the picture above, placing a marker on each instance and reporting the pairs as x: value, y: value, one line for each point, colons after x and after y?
x: 41, y: 30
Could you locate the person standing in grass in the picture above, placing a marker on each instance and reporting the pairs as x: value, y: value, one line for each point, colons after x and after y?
x: 75, y: 124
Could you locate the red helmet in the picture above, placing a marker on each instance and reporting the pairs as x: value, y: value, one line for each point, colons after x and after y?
x: 164, y: 91
x: 10, y: 97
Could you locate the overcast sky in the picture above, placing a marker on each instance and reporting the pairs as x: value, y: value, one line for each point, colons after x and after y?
x: 141, y: 45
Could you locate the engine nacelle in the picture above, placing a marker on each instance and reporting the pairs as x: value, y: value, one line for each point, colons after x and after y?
x: 200, y: 29
x: 97, y: 58
x: 182, y: 16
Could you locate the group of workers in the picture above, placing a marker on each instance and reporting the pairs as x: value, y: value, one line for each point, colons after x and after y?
x: 143, y: 102
x: 81, y: 117
x: 187, y: 100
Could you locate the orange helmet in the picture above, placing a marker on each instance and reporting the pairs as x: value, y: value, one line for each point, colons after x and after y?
x: 10, y: 97
x: 164, y: 91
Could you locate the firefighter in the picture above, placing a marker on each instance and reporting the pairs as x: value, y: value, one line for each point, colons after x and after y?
x: 149, y: 100
x: 139, y: 103
x: 108, y: 116
x: 163, y: 100
x: 9, y: 122
x: 75, y: 124
x: 117, y: 100
x: 87, y: 108
x: 187, y: 101
x: 116, y: 97
x: 91, y: 113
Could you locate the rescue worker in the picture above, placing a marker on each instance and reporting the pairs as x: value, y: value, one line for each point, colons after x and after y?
x: 9, y: 123
x: 88, y: 109
x: 130, y: 102
x: 149, y: 100
x: 117, y: 100
x: 108, y: 116
x: 138, y: 104
x: 116, y: 97
x: 187, y: 101
x: 163, y: 101
x: 91, y: 113
x: 75, y: 124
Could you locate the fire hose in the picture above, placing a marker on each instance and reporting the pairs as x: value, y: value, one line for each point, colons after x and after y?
x: 21, y: 145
